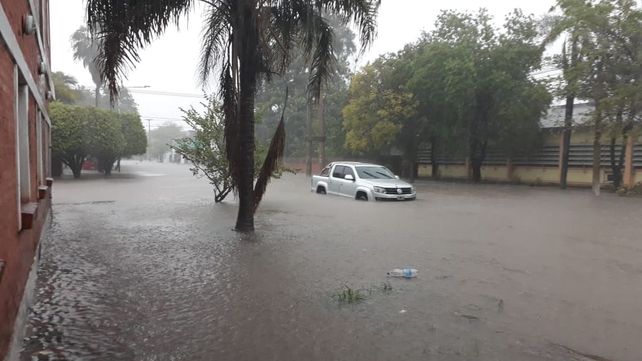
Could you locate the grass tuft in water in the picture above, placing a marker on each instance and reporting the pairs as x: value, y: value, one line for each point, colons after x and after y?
x: 353, y: 295
x: 349, y: 295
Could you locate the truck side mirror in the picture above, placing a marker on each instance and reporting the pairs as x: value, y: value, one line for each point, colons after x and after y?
x: 349, y: 177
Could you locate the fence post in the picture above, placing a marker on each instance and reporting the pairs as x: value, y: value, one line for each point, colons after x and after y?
x: 628, y: 162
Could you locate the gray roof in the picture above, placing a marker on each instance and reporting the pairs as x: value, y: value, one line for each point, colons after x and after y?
x: 555, y: 116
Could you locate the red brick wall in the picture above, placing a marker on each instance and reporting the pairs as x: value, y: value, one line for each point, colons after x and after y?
x: 17, y: 248
x: 15, y: 10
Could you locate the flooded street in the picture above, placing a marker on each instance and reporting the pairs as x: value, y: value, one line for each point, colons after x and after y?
x: 144, y: 266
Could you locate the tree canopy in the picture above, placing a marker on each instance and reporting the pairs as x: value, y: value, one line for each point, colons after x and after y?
x: 466, y: 85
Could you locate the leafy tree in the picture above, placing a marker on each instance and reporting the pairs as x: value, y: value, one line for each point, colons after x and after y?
x: 65, y: 87
x: 68, y: 91
x: 69, y: 133
x: 328, y: 124
x: 465, y: 80
x: 248, y: 40
x: 376, y: 111
x: 162, y: 139
x: 608, y: 34
x: 82, y: 132
x: 85, y: 48
x: 487, y: 83
x: 107, y: 142
x: 134, y: 133
x: 205, y: 149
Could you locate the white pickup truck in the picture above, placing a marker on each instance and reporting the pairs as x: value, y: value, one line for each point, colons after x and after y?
x: 362, y: 181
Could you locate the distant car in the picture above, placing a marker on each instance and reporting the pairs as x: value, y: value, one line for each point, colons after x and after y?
x: 362, y: 181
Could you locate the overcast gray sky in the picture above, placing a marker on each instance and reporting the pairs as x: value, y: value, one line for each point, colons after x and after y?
x: 169, y: 64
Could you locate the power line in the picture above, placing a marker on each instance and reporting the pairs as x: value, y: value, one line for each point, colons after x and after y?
x: 167, y: 93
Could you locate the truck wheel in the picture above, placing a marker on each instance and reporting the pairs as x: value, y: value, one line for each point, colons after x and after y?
x: 361, y: 196
x: 320, y: 190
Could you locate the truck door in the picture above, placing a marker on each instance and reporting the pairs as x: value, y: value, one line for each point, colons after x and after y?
x: 335, y: 179
x: 348, y: 187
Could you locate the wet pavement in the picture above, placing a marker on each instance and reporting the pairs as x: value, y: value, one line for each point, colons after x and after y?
x: 144, y: 266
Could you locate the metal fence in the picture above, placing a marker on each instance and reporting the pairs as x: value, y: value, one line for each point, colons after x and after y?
x: 637, y: 156
x: 548, y: 156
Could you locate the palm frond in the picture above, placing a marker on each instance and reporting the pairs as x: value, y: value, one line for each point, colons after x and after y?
x: 229, y: 94
x: 272, y: 158
x: 322, y: 57
x: 216, y: 34
x: 123, y: 27
x: 85, y: 49
x: 363, y: 13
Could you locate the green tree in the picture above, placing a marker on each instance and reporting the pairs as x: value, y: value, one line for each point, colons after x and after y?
x: 248, y: 40
x: 376, y: 111
x: 107, y: 142
x: 608, y: 34
x: 68, y: 91
x: 69, y: 134
x: 487, y: 83
x: 134, y: 133
x: 327, y: 125
x: 162, y: 139
x: 205, y: 149
x: 85, y: 48
x: 66, y: 88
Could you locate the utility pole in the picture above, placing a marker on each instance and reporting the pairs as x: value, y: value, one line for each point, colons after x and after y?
x: 149, y: 137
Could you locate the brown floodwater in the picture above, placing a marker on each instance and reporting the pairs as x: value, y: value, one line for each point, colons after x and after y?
x: 144, y: 266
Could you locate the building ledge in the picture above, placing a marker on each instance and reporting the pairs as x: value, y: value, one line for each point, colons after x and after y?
x: 29, y: 214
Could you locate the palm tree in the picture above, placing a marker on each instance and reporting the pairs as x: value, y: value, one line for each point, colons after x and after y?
x: 245, y: 40
x: 86, y: 49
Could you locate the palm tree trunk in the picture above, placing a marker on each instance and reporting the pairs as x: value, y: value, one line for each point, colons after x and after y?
x: 97, y: 94
x: 248, y: 68
x: 322, y: 156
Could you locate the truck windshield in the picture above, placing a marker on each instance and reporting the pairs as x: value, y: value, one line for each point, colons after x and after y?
x: 373, y: 172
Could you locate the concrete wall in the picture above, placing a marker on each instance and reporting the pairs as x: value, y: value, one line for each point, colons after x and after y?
x: 453, y: 171
x: 424, y: 170
x: 18, y: 244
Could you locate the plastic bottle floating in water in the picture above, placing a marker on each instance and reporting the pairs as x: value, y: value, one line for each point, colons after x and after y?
x: 403, y: 272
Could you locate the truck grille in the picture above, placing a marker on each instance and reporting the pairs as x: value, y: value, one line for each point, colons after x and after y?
x: 394, y: 191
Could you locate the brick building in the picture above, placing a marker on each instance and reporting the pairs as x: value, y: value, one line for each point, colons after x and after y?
x: 25, y: 89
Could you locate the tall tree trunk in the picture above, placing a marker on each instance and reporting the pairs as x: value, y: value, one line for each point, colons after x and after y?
x: 248, y: 68
x: 322, y: 138
x: 97, y: 94
x: 308, y: 153
x: 616, y: 162
x: 478, y: 136
x: 597, y: 151
x: 76, y: 165
x: 566, y: 141
x: 568, y: 115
